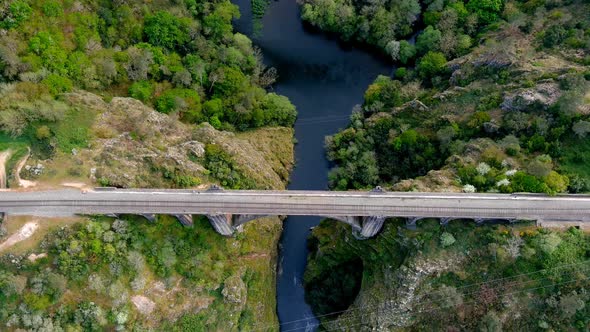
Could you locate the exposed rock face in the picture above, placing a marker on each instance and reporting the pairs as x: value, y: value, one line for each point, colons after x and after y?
x: 496, y: 59
x: 541, y: 96
x: 392, y: 301
x: 436, y: 180
x: 139, y: 147
x: 234, y: 290
x: 255, y: 152
x: 415, y: 105
x: 143, y: 304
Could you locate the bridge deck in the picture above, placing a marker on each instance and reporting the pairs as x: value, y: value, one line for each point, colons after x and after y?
x: 321, y: 203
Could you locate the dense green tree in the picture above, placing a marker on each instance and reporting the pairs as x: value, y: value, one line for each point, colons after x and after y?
x: 58, y: 84
x: 141, y: 90
x: 431, y: 64
x: 218, y: 24
x: 278, y: 110
x: 487, y: 11
x: 553, y: 36
x: 166, y: 30
x: 428, y: 40
x: 407, y: 51
x: 52, y: 8
x: 180, y: 100
x: 15, y: 14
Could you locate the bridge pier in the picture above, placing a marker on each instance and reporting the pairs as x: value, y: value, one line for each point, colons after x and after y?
x: 185, y: 219
x: 371, y: 226
x: 445, y: 220
x: 362, y: 227
x: 411, y: 222
x: 150, y: 217
x: 221, y: 224
x: 227, y: 224
x: 354, y: 222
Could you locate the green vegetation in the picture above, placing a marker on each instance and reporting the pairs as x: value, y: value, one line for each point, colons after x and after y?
x: 258, y: 10
x: 505, y: 128
x: 112, y: 260
x: 65, y: 70
x: 224, y: 169
x: 506, y: 114
x: 463, y: 274
x: 174, y: 60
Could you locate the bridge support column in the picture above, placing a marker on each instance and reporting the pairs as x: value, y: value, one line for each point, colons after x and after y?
x: 227, y: 224
x: 411, y: 222
x: 354, y: 222
x: 185, y: 219
x: 445, y: 220
x: 371, y: 226
x: 362, y: 227
x: 150, y: 217
x: 222, y: 224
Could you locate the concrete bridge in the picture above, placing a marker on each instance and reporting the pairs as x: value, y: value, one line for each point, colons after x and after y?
x: 364, y: 211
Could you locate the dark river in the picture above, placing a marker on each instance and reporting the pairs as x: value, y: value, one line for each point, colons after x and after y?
x: 324, y: 80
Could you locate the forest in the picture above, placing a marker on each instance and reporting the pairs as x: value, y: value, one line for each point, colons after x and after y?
x: 179, y: 58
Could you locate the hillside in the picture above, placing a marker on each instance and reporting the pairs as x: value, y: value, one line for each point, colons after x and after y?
x: 126, y: 272
x: 506, y: 112
x: 136, y: 94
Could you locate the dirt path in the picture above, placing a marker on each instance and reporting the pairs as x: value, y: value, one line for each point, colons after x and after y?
x: 19, y: 167
x: 4, y: 156
x: 24, y: 233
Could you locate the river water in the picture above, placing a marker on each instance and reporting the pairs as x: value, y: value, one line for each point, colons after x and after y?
x: 324, y: 80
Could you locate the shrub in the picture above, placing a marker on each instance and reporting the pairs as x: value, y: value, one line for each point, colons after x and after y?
x: 42, y: 132
x: 166, y: 30
x: 57, y: 84
x: 278, y: 110
x: 581, y: 128
x: 183, y: 100
x: 224, y: 169
x: 401, y: 73
x: 141, y: 90
x: 429, y: 40
x: 447, y: 239
x: 407, y: 51
x: 553, y: 36
x: 18, y: 12
x: 431, y: 64
x: 487, y: 11
x: 52, y: 9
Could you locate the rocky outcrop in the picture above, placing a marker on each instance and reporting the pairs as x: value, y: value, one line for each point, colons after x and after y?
x: 540, y: 97
x: 234, y: 290
x: 256, y: 153
x: 136, y: 146
x: 436, y: 181
x: 389, y: 304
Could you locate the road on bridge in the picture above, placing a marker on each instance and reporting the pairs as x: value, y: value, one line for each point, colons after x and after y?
x: 320, y: 203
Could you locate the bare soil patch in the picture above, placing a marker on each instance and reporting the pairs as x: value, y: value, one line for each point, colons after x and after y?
x: 23, y: 183
x: 23, y: 233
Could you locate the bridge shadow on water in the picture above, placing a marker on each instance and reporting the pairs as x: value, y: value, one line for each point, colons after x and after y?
x: 324, y: 80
